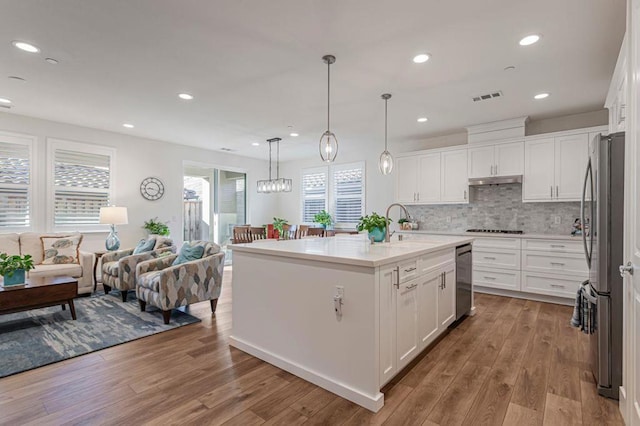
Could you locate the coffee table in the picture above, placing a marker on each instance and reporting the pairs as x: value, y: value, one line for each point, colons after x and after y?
x: 39, y: 293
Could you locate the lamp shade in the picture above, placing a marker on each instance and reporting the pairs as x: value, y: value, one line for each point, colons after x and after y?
x: 113, y: 215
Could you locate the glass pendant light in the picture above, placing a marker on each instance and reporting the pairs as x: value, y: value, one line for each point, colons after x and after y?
x: 328, y: 141
x: 386, y: 159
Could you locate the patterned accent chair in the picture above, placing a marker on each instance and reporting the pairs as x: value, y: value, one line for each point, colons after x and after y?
x: 119, y: 267
x: 168, y: 287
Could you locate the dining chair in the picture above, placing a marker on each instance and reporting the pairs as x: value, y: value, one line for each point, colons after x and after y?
x: 303, y: 231
x: 258, y: 233
x: 288, y: 232
x: 315, y: 232
x: 241, y: 234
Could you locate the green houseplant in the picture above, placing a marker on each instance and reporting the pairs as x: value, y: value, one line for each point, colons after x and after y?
x: 375, y: 225
x: 154, y: 226
x: 13, y: 268
x: 278, y: 225
x: 323, y: 218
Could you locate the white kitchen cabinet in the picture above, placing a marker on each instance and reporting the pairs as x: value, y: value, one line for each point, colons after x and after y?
x: 455, y: 182
x: 616, y: 101
x: 429, y: 178
x: 387, y: 324
x: 554, y: 168
x: 571, y: 156
x: 505, y: 159
x: 407, y: 343
x: 538, y: 179
x: 407, y: 179
x: 447, y: 297
x: 428, y: 324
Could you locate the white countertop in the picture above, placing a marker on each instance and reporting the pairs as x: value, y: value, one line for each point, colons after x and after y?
x: 352, y: 250
x: 497, y: 235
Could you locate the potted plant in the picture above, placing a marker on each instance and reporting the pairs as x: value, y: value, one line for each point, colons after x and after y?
x: 278, y: 226
x: 323, y: 218
x: 13, y: 268
x: 155, y: 227
x: 405, y: 224
x: 375, y: 225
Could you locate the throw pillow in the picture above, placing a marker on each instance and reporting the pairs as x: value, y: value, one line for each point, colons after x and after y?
x: 188, y: 253
x: 145, y: 246
x: 61, y: 250
x: 162, y: 242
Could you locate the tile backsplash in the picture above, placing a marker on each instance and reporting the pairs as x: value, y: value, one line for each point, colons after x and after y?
x: 498, y: 207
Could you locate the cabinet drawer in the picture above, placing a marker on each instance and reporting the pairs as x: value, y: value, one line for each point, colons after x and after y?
x: 551, y: 284
x: 501, y: 243
x: 508, y: 259
x: 431, y: 261
x: 563, y: 246
x: 566, y: 263
x: 408, y: 270
x: 508, y: 280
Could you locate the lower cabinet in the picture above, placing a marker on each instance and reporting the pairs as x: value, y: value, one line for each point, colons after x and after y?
x: 413, y: 312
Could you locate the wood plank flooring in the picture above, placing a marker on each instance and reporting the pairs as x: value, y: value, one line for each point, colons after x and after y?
x: 514, y: 363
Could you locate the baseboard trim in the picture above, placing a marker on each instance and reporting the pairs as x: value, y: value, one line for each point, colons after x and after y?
x: 372, y: 403
x: 523, y: 295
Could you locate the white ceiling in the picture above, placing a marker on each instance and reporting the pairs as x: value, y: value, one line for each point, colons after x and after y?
x: 255, y: 66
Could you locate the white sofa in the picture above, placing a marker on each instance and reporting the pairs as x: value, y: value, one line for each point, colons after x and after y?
x: 30, y: 243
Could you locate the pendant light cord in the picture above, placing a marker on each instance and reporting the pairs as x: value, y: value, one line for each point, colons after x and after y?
x: 269, y: 160
x: 278, y: 160
x: 328, y: 93
x: 385, y: 124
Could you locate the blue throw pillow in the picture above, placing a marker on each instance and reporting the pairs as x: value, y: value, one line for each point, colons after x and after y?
x: 188, y: 253
x: 145, y: 246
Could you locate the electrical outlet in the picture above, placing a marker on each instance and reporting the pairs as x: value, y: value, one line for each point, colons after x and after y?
x: 557, y: 220
x: 448, y: 219
x: 340, y: 291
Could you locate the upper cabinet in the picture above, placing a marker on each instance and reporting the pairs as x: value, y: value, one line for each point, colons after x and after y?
x: 433, y: 178
x: 616, y: 101
x: 506, y: 159
x: 554, y: 168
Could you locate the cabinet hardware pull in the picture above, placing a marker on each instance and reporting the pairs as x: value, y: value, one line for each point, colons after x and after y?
x: 465, y: 194
x: 557, y: 191
x: 557, y: 286
x: 410, y: 269
x: 409, y: 287
x: 557, y: 263
x: 557, y: 245
x: 489, y: 258
x: 397, y: 271
x: 418, y: 196
x: 551, y: 189
x: 490, y: 278
x: 496, y: 169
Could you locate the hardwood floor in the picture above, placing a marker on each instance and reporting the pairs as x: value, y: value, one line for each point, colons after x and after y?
x: 514, y: 363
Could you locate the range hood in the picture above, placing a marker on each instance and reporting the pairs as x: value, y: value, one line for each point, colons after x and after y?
x: 495, y: 180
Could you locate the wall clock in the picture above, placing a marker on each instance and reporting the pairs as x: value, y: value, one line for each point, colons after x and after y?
x: 152, y: 188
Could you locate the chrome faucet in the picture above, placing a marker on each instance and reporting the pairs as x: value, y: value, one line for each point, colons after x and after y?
x: 387, y: 236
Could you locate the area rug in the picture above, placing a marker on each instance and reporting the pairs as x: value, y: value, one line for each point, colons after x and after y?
x: 39, y: 337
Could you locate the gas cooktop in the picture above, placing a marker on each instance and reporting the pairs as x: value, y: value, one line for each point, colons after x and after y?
x: 496, y: 231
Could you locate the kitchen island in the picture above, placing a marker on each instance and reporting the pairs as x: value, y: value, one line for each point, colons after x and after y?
x: 340, y: 312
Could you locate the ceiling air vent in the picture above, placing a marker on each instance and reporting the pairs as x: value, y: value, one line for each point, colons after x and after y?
x: 487, y: 96
x: 5, y: 106
x: 227, y: 149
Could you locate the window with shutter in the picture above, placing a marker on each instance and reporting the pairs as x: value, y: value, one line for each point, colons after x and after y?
x: 15, y: 183
x: 314, y: 193
x: 348, y: 193
x: 82, y: 184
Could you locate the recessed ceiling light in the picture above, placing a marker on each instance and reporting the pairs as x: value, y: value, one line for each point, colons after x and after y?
x: 16, y: 78
x: 541, y: 96
x: 27, y: 47
x: 185, y: 96
x: 421, y: 58
x: 295, y: 135
x: 5, y: 101
x: 52, y: 61
x: 529, y: 40
x: 255, y: 143
x: 128, y: 125
x: 422, y: 119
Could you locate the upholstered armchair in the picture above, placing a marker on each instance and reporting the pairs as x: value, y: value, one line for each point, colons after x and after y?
x: 168, y: 287
x: 119, y: 267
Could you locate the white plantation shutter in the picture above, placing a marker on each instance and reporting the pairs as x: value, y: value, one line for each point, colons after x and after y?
x: 314, y: 193
x: 15, y: 181
x: 348, y: 193
x: 82, y: 184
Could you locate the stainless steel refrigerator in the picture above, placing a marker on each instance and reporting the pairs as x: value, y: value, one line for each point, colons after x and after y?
x: 602, y: 210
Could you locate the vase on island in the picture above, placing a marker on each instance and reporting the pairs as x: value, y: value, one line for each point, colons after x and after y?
x: 17, y: 278
x: 377, y: 234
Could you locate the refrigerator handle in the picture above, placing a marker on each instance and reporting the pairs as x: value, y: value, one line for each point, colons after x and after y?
x: 587, y: 254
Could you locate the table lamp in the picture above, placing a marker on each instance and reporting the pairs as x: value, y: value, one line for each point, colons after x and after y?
x: 113, y: 216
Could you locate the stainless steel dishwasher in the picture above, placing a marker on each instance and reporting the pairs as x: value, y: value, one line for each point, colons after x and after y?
x: 463, y: 280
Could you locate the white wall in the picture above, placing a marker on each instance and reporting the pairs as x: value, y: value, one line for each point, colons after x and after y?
x: 137, y: 158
